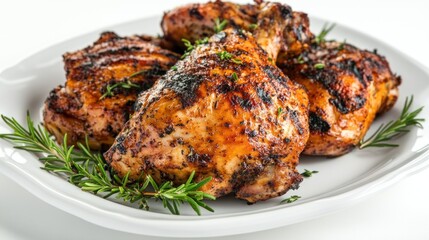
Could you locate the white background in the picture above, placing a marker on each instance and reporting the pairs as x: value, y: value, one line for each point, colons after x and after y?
x: 399, y: 212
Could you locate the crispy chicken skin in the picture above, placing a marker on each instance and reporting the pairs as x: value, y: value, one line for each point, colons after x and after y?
x: 196, y: 21
x: 76, y: 108
x: 244, y: 124
x: 345, y: 95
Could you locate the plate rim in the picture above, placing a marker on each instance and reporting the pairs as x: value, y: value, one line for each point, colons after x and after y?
x: 376, y: 185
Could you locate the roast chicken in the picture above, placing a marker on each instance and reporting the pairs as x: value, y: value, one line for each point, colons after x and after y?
x: 103, y: 81
x: 196, y: 21
x: 224, y: 111
x: 345, y: 95
x: 347, y: 88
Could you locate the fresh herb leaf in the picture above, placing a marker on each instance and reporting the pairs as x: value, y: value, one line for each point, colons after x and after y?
x: 174, y: 68
x: 394, y: 128
x: 224, y: 55
x: 90, y: 172
x: 220, y: 25
x: 234, y: 76
x: 319, y: 66
x: 301, y: 59
x: 253, y: 26
x: 323, y: 33
x: 127, y: 85
x: 308, y: 173
x: 291, y: 199
x: 189, y: 46
x: 279, y: 111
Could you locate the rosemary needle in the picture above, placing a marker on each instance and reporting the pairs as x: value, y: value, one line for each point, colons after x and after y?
x: 394, y: 128
x: 89, y: 171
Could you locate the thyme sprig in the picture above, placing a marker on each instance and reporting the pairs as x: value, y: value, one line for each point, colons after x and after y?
x: 127, y: 85
x: 307, y: 173
x: 225, y: 55
x: 89, y: 171
x: 324, y: 32
x: 189, y: 46
x: 291, y: 199
x: 394, y: 128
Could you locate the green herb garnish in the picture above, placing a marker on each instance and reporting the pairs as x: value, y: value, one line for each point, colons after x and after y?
x: 308, y: 173
x: 174, y: 68
x: 279, y: 111
x: 300, y: 59
x: 234, y: 76
x: 220, y: 25
x: 90, y: 172
x: 319, y: 66
x: 291, y: 199
x: 189, y: 46
x: 127, y: 85
x: 224, y: 55
x: 394, y: 128
x: 322, y: 35
x: 253, y: 26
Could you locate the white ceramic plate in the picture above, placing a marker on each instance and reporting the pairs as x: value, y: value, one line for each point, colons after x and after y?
x: 340, y: 181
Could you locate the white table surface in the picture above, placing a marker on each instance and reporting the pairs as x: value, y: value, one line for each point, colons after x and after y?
x: 399, y: 212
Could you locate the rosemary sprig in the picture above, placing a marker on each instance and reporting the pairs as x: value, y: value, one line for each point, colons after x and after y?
x: 220, y: 25
x: 89, y: 171
x: 127, y: 85
x: 394, y: 128
x: 291, y: 199
x: 323, y: 33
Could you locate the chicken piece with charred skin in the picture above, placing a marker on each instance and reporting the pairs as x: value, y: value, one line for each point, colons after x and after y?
x: 225, y: 111
x: 83, y: 107
x: 196, y: 21
x: 348, y: 87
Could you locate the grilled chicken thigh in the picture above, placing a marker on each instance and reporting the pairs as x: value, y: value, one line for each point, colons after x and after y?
x: 196, y: 21
x: 347, y: 88
x: 84, y: 106
x: 225, y: 111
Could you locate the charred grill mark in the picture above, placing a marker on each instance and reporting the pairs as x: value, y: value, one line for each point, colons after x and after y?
x: 275, y: 74
x: 202, y: 160
x: 247, y: 173
x: 286, y: 11
x: 295, y: 119
x: 351, y: 67
x: 245, y: 103
x: 193, y: 12
x: 251, y: 133
x: 272, y: 158
x: 317, y: 123
x: 263, y: 95
x: 329, y: 79
x: 340, y: 105
x: 298, y: 33
x: 185, y: 86
x: 224, y: 88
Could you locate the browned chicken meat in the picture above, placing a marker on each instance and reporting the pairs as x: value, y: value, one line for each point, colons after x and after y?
x: 196, y: 21
x: 347, y: 88
x: 225, y: 111
x: 103, y: 81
